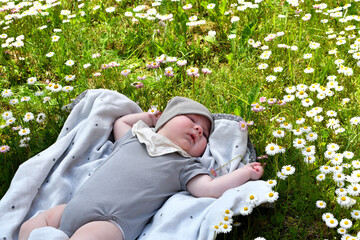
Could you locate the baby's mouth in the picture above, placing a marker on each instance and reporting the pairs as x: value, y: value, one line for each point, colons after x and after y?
x: 193, y: 137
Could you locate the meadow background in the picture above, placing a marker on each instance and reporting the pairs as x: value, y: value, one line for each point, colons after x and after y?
x: 289, y: 68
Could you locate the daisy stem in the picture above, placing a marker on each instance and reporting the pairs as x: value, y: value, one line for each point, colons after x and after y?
x: 290, y: 69
x: 193, y: 87
x: 231, y: 161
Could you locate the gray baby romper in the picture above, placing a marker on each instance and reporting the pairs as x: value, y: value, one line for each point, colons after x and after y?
x: 129, y: 187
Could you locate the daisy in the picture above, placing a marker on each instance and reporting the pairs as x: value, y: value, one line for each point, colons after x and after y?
x: 339, y: 177
x: 320, y: 204
x: 318, y: 118
x: 272, y: 196
x: 272, y: 101
x: 288, y: 170
x: 327, y: 216
x: 270, y: 78
x: 346, y: 223
x: 10, y: 121
x: 137, y: 84
x: 55, y: 38
x: 281, y: 175
x: 67, y: 89
x: 341, y: 231
x: 257, y: 108
x: 356, y: 164
x: 28, y: 117
x: 355, y: 214
x: 332, y: 84
x: 69, y: 78
x: 263, y: 66
x: 278, y: 134
x: 331, y: 113
x: 169, y: 72
x: 332, y: 147
x: 243, y: 126
x: 46, y: 99
x: 246, y: 210
x: 110, y: 9
x: 181, y: 62
x: 307, y: 56
x: 6, y: 93
x: 308, y: 151
x: 336, y: 161
x: 332, y: 123
x: 314, y: 45
x: 308, y: 70
x: 24, y: 131
x: 4, y: 148
x: 271, y: 183
x: 217, y: 229
x: 307, y: 102
x: 272, y: 149
x: 104, y: 66
x: 69, y: 63
x: 312, y: 136
x: 50, y: 54
x: 7, y: 115
x: 314, y: 87
x: 187, y: 6
x: 86, y: 65
x: 289, y: 98
x: 125, y: 72
x: 321, y: 95
x: 320, y: 177
x: 354, y: 189
x: 331, y: 223
x: 301, y: 94
x: 299, y: 143
x: 309, y: 159
x: 211, y: 6
x: 234, y: 19
x: 25, y: 99
x: 355, y: 120
x: 280, y: 119
x: 278, y: 69
x: 286, y: 125
x: 300, y: 121
x: 290, y: 89
x: 192, y: 71
x: 252, y: 199
x: 56, y: 88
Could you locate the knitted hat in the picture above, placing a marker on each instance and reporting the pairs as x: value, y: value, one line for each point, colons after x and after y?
x: 181, y: 105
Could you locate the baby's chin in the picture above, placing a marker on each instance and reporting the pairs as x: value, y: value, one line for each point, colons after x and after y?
x: 196, y: 155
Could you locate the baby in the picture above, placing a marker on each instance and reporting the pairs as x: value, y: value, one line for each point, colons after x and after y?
x: 146, y: 167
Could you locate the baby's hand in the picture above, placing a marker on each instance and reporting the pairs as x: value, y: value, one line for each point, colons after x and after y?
x: 256, y: 170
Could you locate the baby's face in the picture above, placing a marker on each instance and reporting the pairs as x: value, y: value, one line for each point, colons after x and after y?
x: 190, y: 132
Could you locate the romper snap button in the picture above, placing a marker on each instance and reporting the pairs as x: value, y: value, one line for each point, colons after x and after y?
x: 114, y: 218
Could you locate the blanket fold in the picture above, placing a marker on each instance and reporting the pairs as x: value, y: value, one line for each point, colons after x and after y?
x: 51, y: 177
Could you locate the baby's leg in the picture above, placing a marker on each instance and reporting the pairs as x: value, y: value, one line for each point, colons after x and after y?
x: 50, y: 217
x: 98, y: 230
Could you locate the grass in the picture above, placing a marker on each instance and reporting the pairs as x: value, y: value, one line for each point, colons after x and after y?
x: 90, y: 32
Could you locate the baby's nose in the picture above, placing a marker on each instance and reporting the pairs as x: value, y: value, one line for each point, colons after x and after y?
x: 199, y: 129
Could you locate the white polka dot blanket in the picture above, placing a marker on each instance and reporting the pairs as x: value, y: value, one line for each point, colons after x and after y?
x: 54, y: 175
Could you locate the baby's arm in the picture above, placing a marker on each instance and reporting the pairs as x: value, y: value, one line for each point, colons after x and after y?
x: 205, y: 186
x: 123, y: 124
